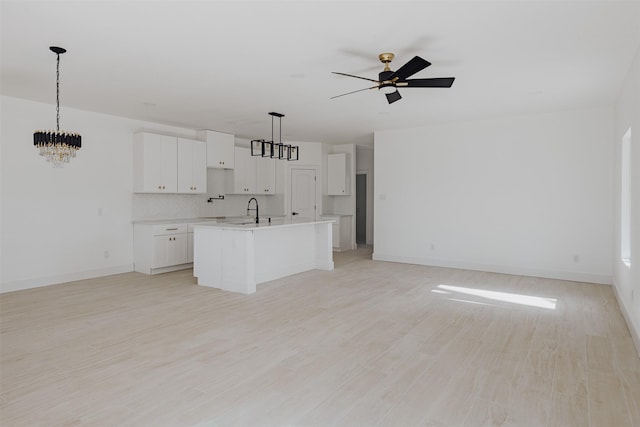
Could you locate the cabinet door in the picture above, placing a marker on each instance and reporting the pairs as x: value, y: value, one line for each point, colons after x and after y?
x: 199, y: 167
x: 220, y: 148
x: 192, y: 167
x: 337, y: 174
x: 169, y: 250
x: 242, y: 180
x: 161, y: 251
x: 155, y: 163
x: 266, y: 175
x: 179, y: 252
x: 169, y: 164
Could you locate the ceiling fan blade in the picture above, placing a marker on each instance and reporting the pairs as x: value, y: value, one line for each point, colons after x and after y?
x: 393, y: 97
x: 357, y: 77
x: 436, y: 82
x: 360, y: 90
x: 410, y: 68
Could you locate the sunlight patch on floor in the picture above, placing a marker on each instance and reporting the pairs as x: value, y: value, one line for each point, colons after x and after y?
x: 533, y: 301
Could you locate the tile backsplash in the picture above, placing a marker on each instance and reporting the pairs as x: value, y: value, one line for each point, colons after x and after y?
x: 179, y: 206
x: 165, y: 206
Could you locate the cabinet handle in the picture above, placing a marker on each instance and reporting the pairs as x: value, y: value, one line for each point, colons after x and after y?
x: 159, y: 187
x: 169, y: 229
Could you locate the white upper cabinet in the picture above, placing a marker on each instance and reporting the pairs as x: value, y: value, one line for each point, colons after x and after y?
x: 155, y: 163
x: 338, y: 182
x: 192, y: 166
x: 242, y: 179
x: 167, y: 164
x: 252, y: 174
x: 266, y: 175
x: 220, y: 148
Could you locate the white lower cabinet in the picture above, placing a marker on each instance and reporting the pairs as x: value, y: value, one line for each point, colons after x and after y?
x: 169, y: 250
x: 158, y: 248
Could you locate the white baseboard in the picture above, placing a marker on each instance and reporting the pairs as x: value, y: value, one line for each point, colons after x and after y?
x: 19, y: 285
x: 635, y: 334
x: 519, y: 271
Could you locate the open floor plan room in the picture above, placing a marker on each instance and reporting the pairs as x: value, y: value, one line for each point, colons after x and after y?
x: 370, y: 343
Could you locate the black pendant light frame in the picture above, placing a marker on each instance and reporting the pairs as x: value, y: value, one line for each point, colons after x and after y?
x: 272, y: 149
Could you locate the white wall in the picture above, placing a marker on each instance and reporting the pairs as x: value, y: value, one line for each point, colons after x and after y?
x: 364, y: 163
x: 627, y: 280
x: 52, y: 230
x: 525, y: 195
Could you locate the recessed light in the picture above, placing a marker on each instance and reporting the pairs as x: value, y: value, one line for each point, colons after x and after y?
x: 149, y: 104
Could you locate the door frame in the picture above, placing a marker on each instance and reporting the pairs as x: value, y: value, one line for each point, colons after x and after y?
x: 369, y: 206
x: 287, y: 185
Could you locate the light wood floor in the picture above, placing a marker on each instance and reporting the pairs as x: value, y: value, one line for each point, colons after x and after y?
x: 370, y: 343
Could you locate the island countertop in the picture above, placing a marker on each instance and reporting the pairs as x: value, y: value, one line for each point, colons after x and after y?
x: 249, y: 226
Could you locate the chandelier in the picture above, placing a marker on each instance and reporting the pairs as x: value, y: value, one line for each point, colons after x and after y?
x: 58, y: 147
x: 273, y: 149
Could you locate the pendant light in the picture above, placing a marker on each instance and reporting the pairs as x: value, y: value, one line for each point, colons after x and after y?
x: 275, y: 150
x: 57, y: 147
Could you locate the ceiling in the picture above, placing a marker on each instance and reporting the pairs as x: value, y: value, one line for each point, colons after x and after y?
x: 224, y: 65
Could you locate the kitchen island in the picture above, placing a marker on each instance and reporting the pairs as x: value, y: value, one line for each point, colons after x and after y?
x: 237, y: 257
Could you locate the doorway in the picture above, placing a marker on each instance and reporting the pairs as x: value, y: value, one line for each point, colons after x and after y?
x: 303, y: 194
x: 361, y: 208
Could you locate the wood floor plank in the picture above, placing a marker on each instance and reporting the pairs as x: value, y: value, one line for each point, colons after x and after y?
x: 370, y: 343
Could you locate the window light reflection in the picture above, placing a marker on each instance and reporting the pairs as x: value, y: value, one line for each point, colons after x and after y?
x: 533, y: 301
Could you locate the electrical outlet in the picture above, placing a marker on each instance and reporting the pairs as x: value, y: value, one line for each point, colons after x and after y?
x: 106, y: 254
x: 99, y: 211
x: 576, y: 258
x: 433, y: 247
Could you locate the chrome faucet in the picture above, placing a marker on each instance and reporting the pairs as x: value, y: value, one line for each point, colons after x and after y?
x: 248, y: 209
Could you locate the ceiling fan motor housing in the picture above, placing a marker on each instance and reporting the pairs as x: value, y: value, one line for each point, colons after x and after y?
x: 383, y: 77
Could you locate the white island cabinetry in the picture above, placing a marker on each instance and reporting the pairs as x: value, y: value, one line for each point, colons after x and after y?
x: 238, y: 257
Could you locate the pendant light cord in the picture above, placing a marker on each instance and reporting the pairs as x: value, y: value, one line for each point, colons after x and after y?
x: 58, y: 93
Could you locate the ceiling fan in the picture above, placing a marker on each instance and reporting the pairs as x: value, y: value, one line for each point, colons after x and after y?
x: 389, y: 81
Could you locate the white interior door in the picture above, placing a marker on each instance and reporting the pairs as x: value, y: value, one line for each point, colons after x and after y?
x: 303, y: 194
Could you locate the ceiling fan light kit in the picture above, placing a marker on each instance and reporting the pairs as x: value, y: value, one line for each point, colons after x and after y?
x: 272, y: 149
x: 389, y: 81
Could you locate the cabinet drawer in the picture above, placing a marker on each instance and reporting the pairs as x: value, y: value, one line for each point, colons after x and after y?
x: 161, y: 230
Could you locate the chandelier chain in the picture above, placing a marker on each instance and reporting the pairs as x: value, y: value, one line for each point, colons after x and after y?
x: 58, y: 93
